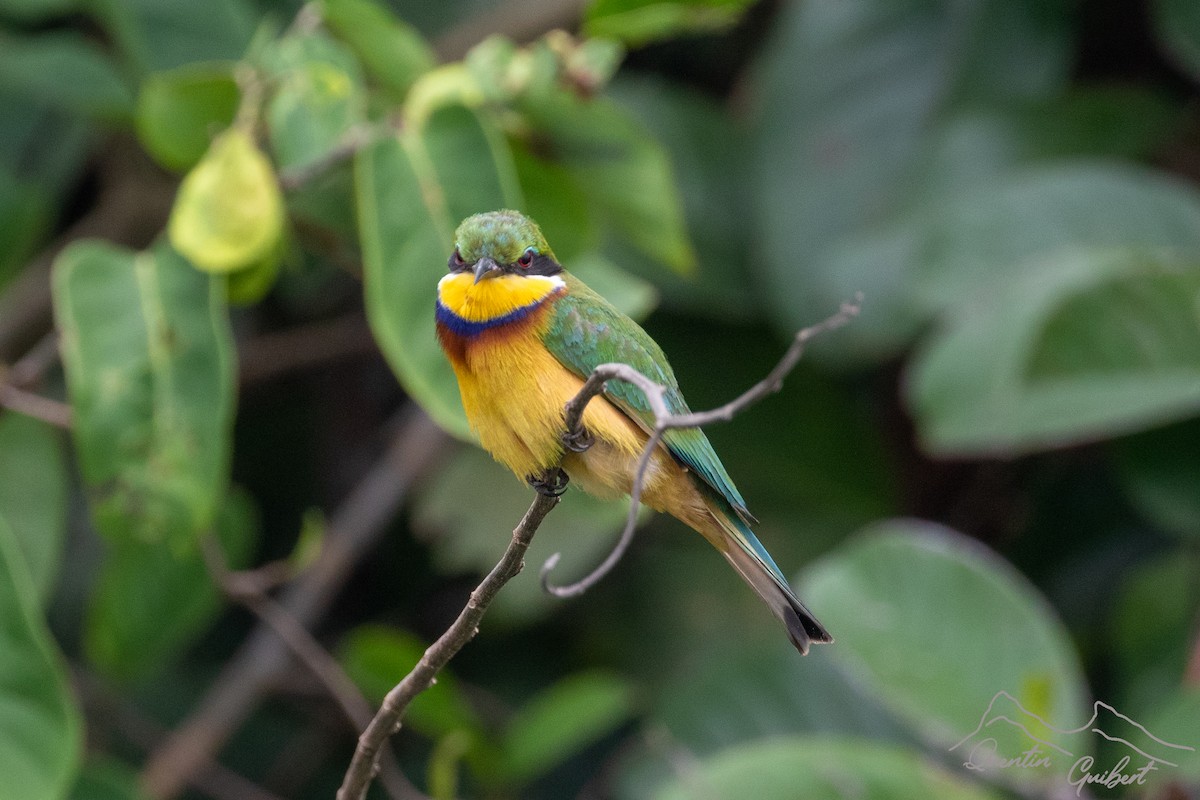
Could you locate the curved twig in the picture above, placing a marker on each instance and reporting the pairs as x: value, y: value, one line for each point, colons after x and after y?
x: 665, y: 420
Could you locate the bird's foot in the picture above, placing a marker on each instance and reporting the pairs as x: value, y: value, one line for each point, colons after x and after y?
x: 554, y: 487
x: 578, y: 441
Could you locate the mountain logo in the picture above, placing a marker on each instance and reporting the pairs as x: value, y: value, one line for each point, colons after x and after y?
x: 1010, y: 736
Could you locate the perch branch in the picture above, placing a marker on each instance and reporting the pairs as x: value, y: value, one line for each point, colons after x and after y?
x: 665, y: 420
x: 388, y: 719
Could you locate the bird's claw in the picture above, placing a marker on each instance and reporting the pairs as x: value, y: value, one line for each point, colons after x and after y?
x: 554, y: 487
x: 578, y: 441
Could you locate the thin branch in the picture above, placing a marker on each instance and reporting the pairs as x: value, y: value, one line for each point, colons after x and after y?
x: 308, y: 651
x: 33, y: 405
x: 665, y: 420
x: 353, y: 530
x: 387, y: 720
x: 272, y: 355
x: 32, y: 367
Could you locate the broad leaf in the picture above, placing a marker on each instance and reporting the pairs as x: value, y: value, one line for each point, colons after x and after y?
x: 756, y: 691
x: 25, y: 217
x: 562, y: 720
x: 987, y: 236
x: 180, y: 112
x: 1083, y: 345
x: 67, y: 71
x: 638, y: 22
x: 860, y: 102
x: 151, y: 601
x: 164, y: 34
x: 29, y: 10
x: 318, y: 97
x: 33, y: 495
x: 391, y: 49
x: 949, y: 637
x: 1174, y: 720
x: 1161, y: 470
x: 1154, y: 615
x: 412, y: 192
x: 1177, y: 23
x: 148, y: 355
x: 40, y: 730
x: 709, y: 152
x: 106, y: 779
x: 819, y: 768
x: 623, y: 172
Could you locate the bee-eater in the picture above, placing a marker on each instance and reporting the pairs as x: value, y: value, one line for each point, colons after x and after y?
x: 523, y: 334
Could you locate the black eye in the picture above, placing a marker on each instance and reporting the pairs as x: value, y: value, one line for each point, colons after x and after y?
x: 456, y: 260
x: 526, y: 258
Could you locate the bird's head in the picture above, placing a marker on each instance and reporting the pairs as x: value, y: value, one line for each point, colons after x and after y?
x: 501, y: 243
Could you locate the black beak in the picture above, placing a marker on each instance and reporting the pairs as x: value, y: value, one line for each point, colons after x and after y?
x: 485, y: 268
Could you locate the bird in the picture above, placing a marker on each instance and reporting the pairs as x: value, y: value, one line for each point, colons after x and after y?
x: 522, y: 334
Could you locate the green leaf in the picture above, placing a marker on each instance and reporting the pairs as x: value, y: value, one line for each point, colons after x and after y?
x: 1161, y: 470
x: 631, y: 294
x: 986, y: 236
x: 107, y: 779
x: 562, y: 720
x: 1174, y: 721
x: 33, y: 10
x: 709, y: 152
x: 33, y: 495
x: 319, y: 97
x: 1155, y: 609
x: 1104, y: 121
x: 40, y: 729
x: 67, y: 71
x: 151, y: 601
x: 229, y: 212
x: 557, y: 204
x: 149, y: 362
x: 163, y: 34
x: 26, y: 209
x: 412, y: 191
x: 377, y: 657
x: 1081, y: 346
x: 468, y: 537
x: 819, y: 768
x: 859, y: 103
x: 623, y: 172
x: 180, y: 111
x: 1177, y: 23
x: 940, y: 629
x: 391, y: 49
x: 759, y: 690
x: 639, y: 22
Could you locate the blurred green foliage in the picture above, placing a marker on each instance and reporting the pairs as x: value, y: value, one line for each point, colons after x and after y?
x: 993, y: 471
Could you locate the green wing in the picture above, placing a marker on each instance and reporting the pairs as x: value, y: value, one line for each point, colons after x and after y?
x: 587, y: 331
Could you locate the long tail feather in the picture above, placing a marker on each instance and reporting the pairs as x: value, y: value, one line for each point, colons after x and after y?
x: 754, y: 564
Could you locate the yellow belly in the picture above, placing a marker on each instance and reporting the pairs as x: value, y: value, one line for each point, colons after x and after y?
x: 514, y: 391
